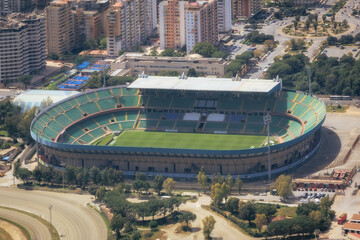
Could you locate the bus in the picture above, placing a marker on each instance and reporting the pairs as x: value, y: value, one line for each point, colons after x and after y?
x: 344, y: 98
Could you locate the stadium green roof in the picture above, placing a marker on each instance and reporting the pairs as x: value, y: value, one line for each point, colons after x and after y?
x: 206, y: 84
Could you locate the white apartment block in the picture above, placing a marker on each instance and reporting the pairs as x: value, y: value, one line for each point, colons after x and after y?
x: 224, y: 16
x: 129, y: 24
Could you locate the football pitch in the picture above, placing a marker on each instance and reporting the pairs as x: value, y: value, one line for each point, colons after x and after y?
x: 137, y: 138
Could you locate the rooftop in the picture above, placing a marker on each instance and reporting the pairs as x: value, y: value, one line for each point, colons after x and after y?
x: 32, y: 98
x: 355, y: 217
x: 206, y: 84
x: 312, y: 180
x: 351, y: 226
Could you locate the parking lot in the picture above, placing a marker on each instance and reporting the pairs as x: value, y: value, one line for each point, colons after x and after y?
x: 340, y: 51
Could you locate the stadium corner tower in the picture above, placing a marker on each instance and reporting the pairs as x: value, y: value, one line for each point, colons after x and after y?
x: 176, y: 125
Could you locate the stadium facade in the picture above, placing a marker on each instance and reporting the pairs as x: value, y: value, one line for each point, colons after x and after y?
x: 71, y: 130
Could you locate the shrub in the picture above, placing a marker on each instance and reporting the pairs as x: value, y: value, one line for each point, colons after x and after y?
x: 153, y: 224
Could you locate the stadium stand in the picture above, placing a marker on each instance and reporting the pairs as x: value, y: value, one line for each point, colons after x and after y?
x: 86, y: 118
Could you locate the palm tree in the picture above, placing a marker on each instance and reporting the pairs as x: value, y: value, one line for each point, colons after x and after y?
x: 315, y: 25
x: 324, y: 18
x: 295, y: 25
x: 307, y: 25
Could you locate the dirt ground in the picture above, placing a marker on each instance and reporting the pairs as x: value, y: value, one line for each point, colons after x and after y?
x: 14, y: 232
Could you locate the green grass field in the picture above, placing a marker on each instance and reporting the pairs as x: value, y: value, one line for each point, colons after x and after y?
x: 137, y: 138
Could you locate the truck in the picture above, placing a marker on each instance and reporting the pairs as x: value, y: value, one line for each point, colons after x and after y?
x: 342, y: 218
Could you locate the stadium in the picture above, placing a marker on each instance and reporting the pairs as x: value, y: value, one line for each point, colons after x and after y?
x: 176, y: 125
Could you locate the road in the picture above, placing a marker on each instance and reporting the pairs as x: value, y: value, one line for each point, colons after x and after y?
x: 36, y: 229
x: 70, y: 214
x: 276, y: 30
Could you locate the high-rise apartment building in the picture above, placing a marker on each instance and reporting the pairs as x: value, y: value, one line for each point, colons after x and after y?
x: 224, y: 16
x: 201, y: 23
x: 100, y: 6
x: 245, y: 9
x: 172, y: 24
x: 59, y: 27
x: 129, y: 24
x: 189, y: 22
x: 10, y: 6
x: 22, y: 45
x: 87, y: 26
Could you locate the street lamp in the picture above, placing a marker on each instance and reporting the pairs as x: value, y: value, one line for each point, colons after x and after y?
x: 37, y: 138
x: 308, y: 71
x: 267, y: 121
x: 51, y: 230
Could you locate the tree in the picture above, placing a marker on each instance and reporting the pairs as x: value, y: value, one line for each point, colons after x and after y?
x: 345, y: 23
x: 269, y: 44
x: 153, y: 52
x: 158, y: 183
x: 324, y: 18
x: 24, y: 174
x: 307, y: 25
x: 260, y: 221
x: 239, y: 184
x: 45, y: 103
x: 117, y: 223
x: 297, y: 18
x: 192, y: 73
x: 305, y: 224
x: 37, y: 174
x: 202, y: 179
x: 247, y: 211
x: 95, y: 175
x: 333, y: 18
x: 100, y: 193
x: 208, y: 226
x: 296, y: 25
x: 268, y: 210
x: 219, y: 192
x: 230, y: 181
x: 25, y: 79
x: 205, y: 49
x: 102, y: 43
x: 283, y: 186
x: 187, y: 217
x: 315, y: 25
x: 232, y: 205
x: 310, y: 18
x: 168, y: 52
x: 316, y: 16
x: 169, y: 185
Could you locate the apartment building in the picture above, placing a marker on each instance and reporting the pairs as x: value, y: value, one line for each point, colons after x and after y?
x: 201, y: 23
x: 224, y: 16
x: 59, y: 27
x: 136, y: 63
x: 129, y: 24
x: 11, y: 6
x: 87, y: 26
x: 244, y: 9
x: 100, y: 6
x: 172, y: 24
x: 22, y: 45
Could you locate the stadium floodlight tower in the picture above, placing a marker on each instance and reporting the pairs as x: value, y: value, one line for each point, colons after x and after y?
x: 267, y: 121
x: 308, y: 71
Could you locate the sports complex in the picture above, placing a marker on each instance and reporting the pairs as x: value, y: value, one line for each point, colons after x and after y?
x: 176, y: 125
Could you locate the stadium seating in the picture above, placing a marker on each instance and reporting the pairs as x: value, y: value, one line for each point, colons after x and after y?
x: 191, y: 117
x: 203, y: 114
x: 216, y: 117
x: 185, y: 102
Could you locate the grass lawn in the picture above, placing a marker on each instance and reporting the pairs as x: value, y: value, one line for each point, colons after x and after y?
x: 137, y: 138
x: 342, y: 109
x: 286, y: 211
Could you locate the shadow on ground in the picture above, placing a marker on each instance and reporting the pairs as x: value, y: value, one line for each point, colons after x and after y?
x: 327, y: 153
